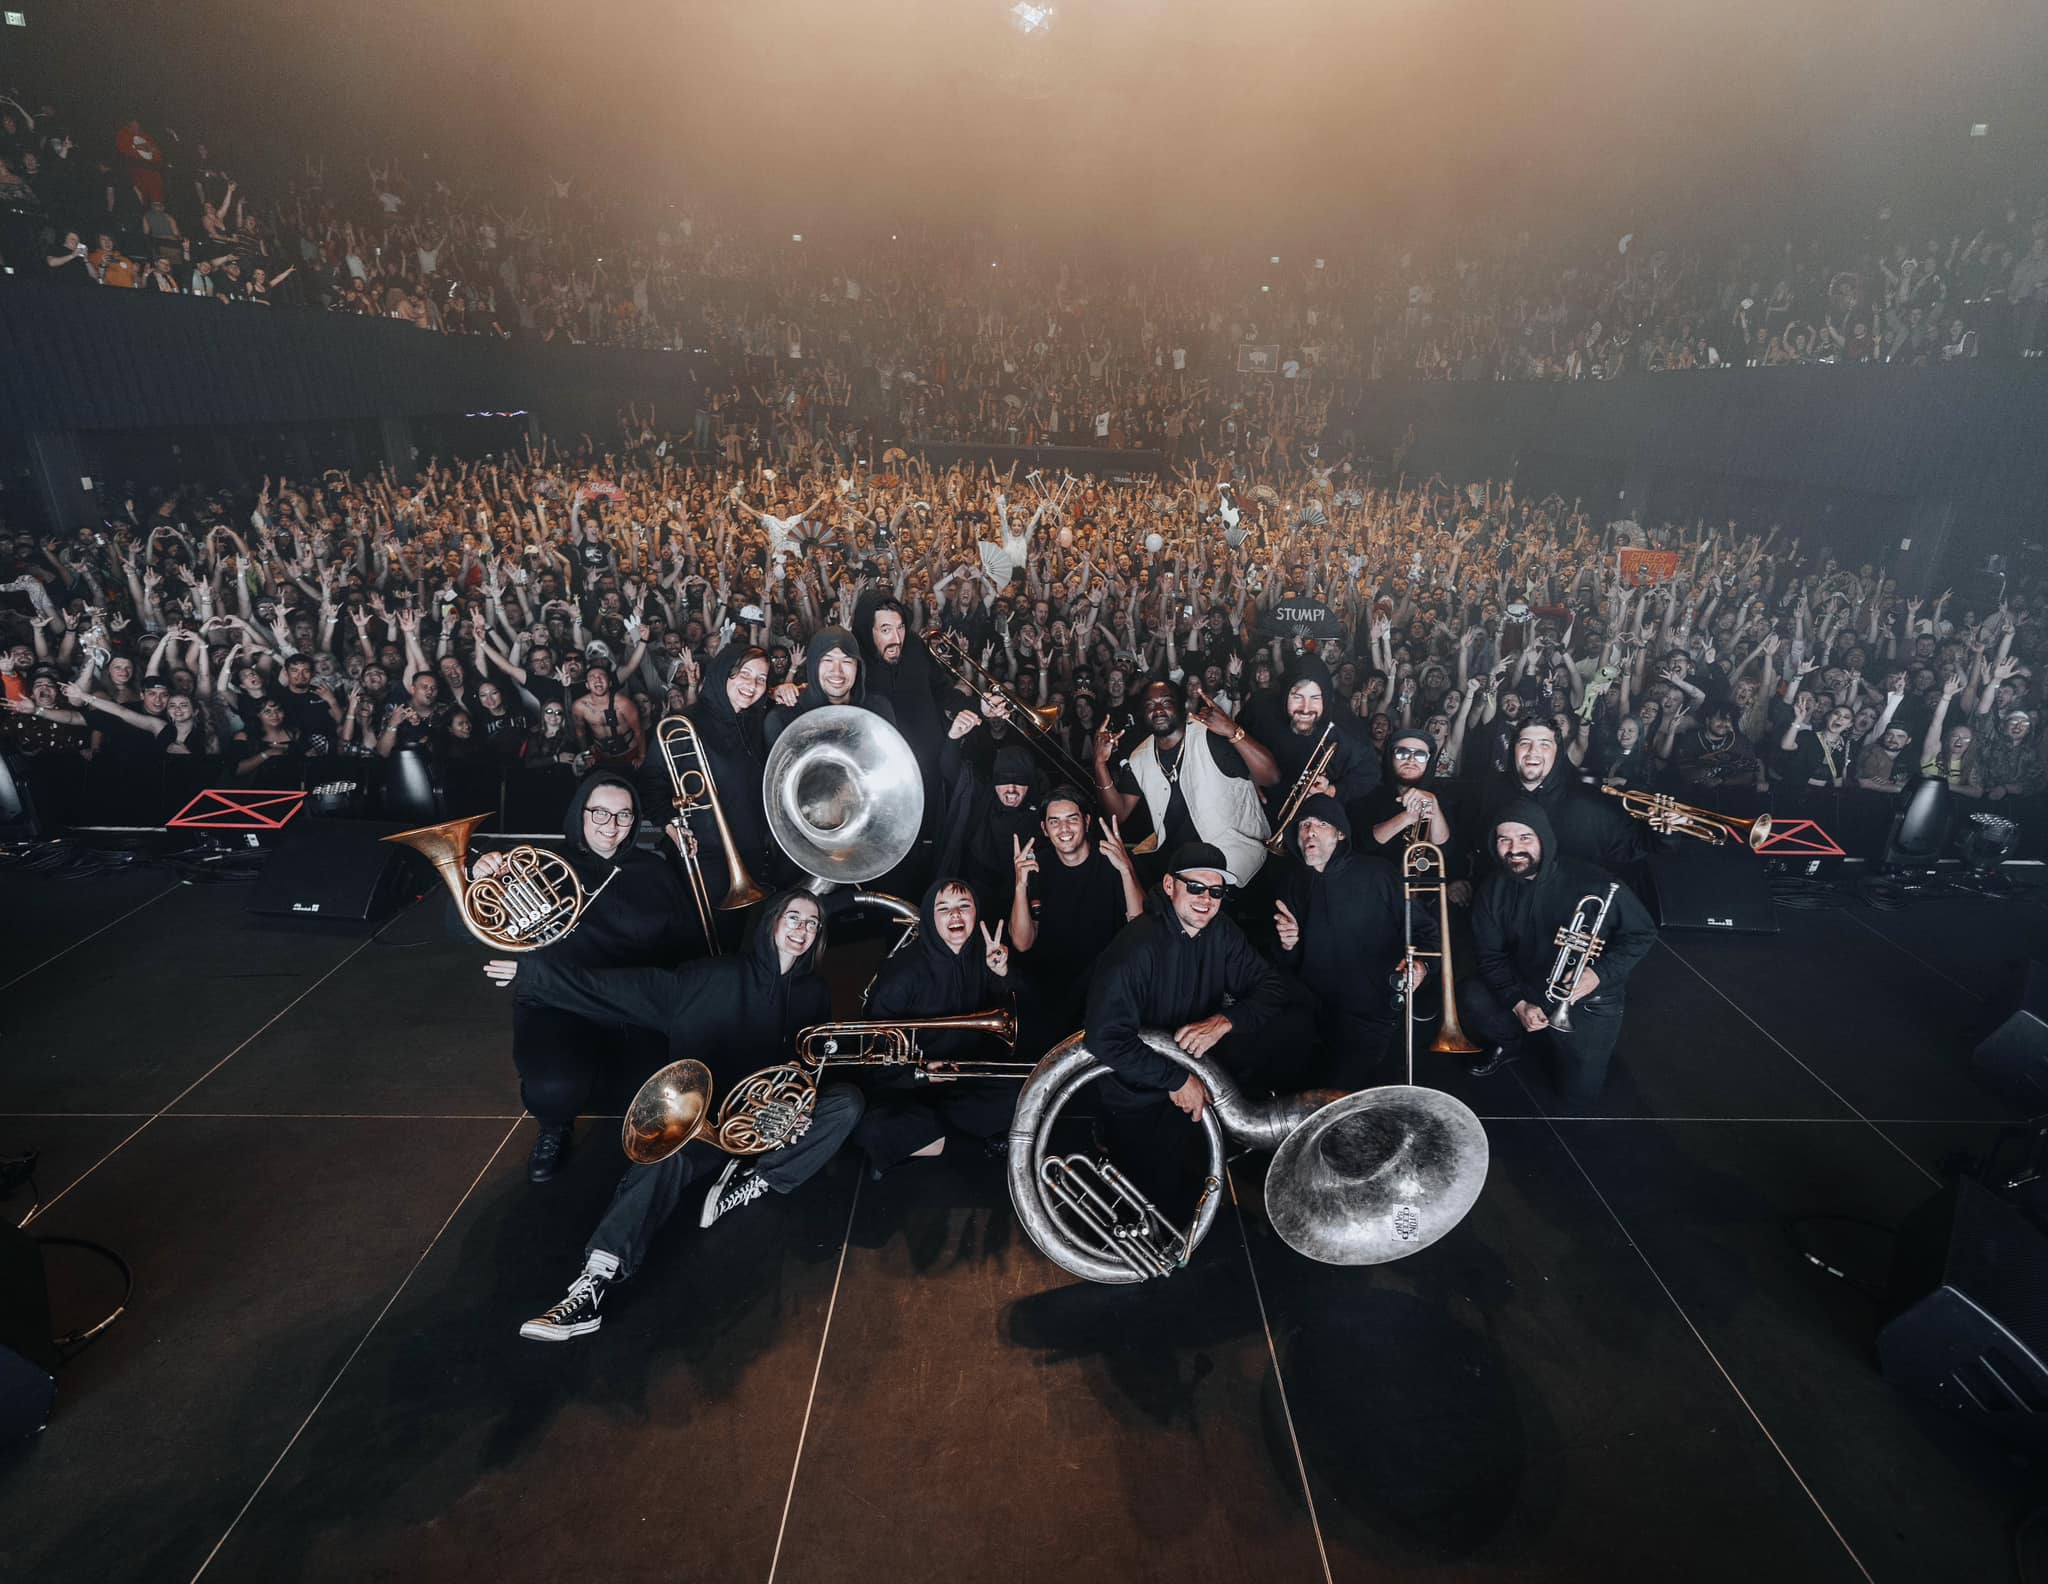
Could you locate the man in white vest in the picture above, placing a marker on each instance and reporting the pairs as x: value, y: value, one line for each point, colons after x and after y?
x: 1198, y: 776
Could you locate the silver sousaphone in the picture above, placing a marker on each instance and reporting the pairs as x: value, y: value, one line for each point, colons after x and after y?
x: 1356, y: 1179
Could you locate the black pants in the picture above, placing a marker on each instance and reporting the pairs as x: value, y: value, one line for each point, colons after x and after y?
x: 1353, y: 1048
x: 1576, y: 1062
x: 905, y: 1113
x: 647, y: 1195
x: 561, y: 1058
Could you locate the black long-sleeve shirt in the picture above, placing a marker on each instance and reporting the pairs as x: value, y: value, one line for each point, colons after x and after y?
x: 1156, y: 975
x: 1351, y: 939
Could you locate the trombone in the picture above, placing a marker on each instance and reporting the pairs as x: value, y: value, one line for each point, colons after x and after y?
x: 1664, y: 812
x: 1034, y: 722
x: 1422, y: 872
x: 1316, y: 769
x: 689, y: 775
x: 896, y: 1044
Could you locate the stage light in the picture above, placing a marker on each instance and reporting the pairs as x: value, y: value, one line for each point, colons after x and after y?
x: 1980, y: 129
x: 1275, y: 259
x: 796, y: 236
x: 1988, y: 840
x: 17, y: 19
x: 1920, y: 827
x: 1028, y: 18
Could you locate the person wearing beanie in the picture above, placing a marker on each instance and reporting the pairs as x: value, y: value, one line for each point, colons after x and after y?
x: 1533, y: 892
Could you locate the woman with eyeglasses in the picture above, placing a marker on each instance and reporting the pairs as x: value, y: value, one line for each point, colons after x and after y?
x: 637, y: 914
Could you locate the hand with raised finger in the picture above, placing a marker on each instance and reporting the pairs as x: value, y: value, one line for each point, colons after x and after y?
x: 997, y: 955
x: 1286, y: 927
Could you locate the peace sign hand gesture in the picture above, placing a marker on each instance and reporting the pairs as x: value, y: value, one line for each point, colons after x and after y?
x: 1113, y: 847
x: 1024, y: 856
x: 998, y: 955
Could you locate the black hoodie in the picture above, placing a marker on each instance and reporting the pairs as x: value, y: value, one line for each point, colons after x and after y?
x: 1515, y: 918
x: 928, y: 979
x: 823, y: 642
x: 1350, y: 918
x: 1588, y: 825
x: 980, y: 828
x: 735, y: 755
x: 1354, y: 771
x: 735, y: 1014
x: 1385, y: 801
x: 913, y: 685
x: 1157, y: 976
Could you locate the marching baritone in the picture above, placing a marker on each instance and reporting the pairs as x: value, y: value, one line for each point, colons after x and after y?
x: 637, y: 914
x: 957, y: 964
x: 1533, y: 892
x: 735, y: 1014
x: 1339, y: 928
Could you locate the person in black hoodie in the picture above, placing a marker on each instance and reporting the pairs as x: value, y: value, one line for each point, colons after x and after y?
x: 833, y: 674
x: 1535, y: 891
x: 900, y: 669
x: 985, y: 826
x: 1588, y: 825
x: 1408, y: 804
x: 637, y: 914
x: 737, y: 1015
x: 944, y: 971
x: 1290, y: 725
x: 1337, y: 923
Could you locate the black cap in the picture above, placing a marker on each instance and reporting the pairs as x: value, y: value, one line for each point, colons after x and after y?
x: 149, y: 682
x: 1200, y: 855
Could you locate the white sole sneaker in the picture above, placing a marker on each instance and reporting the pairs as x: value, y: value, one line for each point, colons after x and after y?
x: 709, y: 1213
x: 542, y: 1331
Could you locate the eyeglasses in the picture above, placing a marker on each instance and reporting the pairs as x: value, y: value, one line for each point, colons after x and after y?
x: 802, y: 923
x: 1411, y: 753
x: 1201, y: 888
x: 598, y: 816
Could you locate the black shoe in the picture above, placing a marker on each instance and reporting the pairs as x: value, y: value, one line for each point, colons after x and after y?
x: 548, y: 1151
x: 576, y: 1315
x: 1491, y: 1061
x: 738, y: 1186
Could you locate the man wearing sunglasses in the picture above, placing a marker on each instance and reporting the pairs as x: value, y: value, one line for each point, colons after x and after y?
x: 1182, y: 965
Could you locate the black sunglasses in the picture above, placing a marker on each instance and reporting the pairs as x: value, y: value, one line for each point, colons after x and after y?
x: 1199, y: 888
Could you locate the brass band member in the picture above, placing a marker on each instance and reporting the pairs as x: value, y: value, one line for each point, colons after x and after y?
x: 1407, y: 805
x: 1291, y: 724
x: 833, y: 674
x: 735, y: 1014
x: 729, y: 716
x: 639, y: 917
x: 1533, y: 892
x: 1587, y: 826
x: 1068, y: 906
x: 1338, y: 925
x: 957, y: 964
x: 1198, y: 774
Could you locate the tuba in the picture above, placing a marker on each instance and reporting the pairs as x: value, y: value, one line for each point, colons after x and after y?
x: 1356, y: 1179
x: 533, y: 902
x: 844, y: 794
x: 689, y: 775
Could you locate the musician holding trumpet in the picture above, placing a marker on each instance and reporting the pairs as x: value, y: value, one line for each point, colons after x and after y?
x: 1555, y: 941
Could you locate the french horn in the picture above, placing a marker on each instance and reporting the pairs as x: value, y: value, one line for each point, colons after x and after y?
x: 532, y: 902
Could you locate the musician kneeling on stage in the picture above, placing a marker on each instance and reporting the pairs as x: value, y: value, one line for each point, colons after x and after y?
x: 1182, y: 965
x: 638, y: 915
x: 1533, y: 893
x: 1338, y: 925
x: 945, y: 972
x: 736, y: 1015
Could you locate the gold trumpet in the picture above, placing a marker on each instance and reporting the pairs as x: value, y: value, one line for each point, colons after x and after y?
x: 682, y: 754
x: 1422, y: 871
x: 1316, y: 769
x: 532, y: 902
x: 1034, y: 722
x: 884, y: 1043
x: 1667, y: 813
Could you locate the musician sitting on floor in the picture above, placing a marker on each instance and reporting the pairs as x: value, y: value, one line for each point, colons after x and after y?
x: 1338, y: 926
x: 1532, y: 893
x: 737, y: 1015
x: 956, y: 965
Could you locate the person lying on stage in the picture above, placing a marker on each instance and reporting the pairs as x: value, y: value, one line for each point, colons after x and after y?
x: 1068, y: 907
x: 637, y: 914
x: 957, y: 964
x: 737, y: 1015
x: 1338, y: 927
x: 1533, y: 892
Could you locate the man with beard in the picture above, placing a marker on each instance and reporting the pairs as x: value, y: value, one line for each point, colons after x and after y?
x: 737, y: 1015
x: 1715, y: 753
x: 1198, y: 777
x: 1588, y: 826
x: 1293, y: 730
x: 833, y: 674
x: 1067, y: 909
x: 637, y: 914
x: 900, y: 670
x: 943, y: 971
x: 1533, y: 893
x: 1338, y: 926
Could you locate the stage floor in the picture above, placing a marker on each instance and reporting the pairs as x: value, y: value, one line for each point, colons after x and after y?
x: 1620, y: 1366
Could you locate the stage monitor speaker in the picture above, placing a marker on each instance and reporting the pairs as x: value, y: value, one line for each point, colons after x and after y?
x: 342, y: 870
x: 1972, y: 1332
x: 1712, y: 888
x: 28, y: 1358
x: 2013, y: 1059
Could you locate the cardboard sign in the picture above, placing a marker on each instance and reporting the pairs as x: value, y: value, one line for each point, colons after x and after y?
x: 1306, y: 617
x: 1639, y: 568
